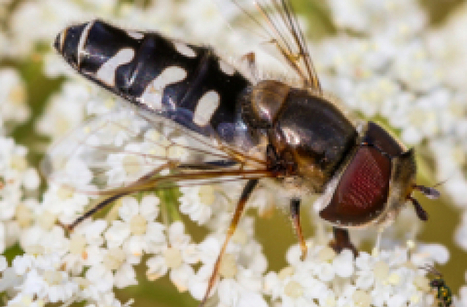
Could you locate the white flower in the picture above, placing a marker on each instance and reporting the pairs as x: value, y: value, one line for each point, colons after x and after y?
x: 194, y: 12
x: 462, y: 299
x: 237, y: 284
x: 461, y: 232
x: 50, y: 237
x: 2, y: 237
x: 448, y: 44
x: 64, y: 203
x: 10, y: 280
x: 197, y: 202
x: 65, y: 109
x: 13, y: 171
x: 3, y: 263
x: 450, y: 158
x: 13, y: 97
x: 161, y: 15
x: 373, y: 16
x: 240, y: 271
x: 374, y: 96
x: 387, y: 278
x: 101, y: 279
x: 431, y: 253
x: 85, y: 246
x: 127, y: 166
x: 114, y: 270
x: 423, y: 74
x: 422, y: 119
x: 264, y: 201
x: 51, y: 14
x: 296, y: 287
x: 343, y: 264
x: 177, y: 256
x: 369, y: 271
x: 137, y: 232
x: 53, y: 67
x: 42, y: 278
x: 242, y: 293
x: 108, y: 299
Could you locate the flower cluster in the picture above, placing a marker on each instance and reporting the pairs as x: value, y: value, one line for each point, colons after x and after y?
x: 327, y: 279
x: 397, y: 70
x: 385, y: 62
x: 18, y: 184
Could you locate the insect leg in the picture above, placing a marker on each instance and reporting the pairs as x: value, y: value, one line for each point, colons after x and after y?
x: 249, y: 187
x: 113, y: 198
x: 94, y: 209
x: 295, y: 215
x: 342, y: 240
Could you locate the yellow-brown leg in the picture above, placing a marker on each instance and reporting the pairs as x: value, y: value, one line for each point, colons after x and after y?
x: 295, y: 216
x: 249, y: 187
x: 95, y: 209
x: 113, y: 198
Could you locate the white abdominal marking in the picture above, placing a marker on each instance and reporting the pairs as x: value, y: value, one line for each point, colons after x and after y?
x: 206, y: 107
x: 135, y: 34
x: 184, y: 49
x: 82, y: 41
x: 152, y: 96
x: 226, y: 68
x: 62, y: 39
x: 106, y: 73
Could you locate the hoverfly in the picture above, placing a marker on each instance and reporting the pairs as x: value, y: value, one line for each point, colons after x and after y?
x: 194, y: 119
x: 443, y: 292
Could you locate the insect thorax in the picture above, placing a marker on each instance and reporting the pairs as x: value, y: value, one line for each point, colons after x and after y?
x: 306, y: 130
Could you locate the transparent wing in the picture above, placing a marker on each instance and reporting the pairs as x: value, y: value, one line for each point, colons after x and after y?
x: 125, y: 151
x: 276, y: 23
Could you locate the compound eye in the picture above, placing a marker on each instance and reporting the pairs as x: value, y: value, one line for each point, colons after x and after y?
x: 362, y: 192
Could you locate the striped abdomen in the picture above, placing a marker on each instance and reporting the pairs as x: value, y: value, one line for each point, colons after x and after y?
x: 158, y: 74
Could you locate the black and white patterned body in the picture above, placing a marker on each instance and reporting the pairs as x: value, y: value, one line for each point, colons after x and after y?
x: 160, y: 75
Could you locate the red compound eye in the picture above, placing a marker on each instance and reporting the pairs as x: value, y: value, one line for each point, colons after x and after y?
x: 362, y: 190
